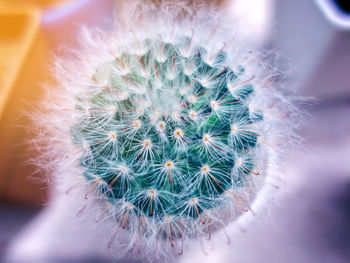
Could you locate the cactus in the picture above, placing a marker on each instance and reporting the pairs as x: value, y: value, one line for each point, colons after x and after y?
x: 168, y: 131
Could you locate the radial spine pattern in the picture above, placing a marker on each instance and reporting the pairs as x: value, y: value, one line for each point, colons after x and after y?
x: 166, y: 130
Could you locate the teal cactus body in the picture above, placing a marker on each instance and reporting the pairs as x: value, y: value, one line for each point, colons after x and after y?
x: 169, y: 133
x: 165, y: 131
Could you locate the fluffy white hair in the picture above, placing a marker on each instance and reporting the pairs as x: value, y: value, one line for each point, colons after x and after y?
x: 76, y: 77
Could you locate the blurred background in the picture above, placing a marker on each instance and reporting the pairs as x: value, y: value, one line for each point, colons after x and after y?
x: 312, y: 37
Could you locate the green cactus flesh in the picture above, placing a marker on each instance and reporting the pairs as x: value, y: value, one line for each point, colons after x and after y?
x: 167, y: 129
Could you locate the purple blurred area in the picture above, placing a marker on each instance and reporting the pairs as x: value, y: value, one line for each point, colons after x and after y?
x: 311, y: 222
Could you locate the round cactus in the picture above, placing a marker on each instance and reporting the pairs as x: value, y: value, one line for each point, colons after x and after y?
x: 167, y: 129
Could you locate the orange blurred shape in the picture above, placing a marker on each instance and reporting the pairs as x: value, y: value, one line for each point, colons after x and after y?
x: 23, y: 54
x: 42, y: 3
x: 18, y: 28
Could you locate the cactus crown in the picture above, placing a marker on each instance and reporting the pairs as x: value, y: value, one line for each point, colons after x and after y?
x: 169, y: 131
x: 174, y: 128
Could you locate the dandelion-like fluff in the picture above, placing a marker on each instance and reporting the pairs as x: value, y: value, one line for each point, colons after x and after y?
x: 167, y: 128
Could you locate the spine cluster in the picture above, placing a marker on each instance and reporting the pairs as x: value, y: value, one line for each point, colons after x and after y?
x: 169, y: 134
x: 166, y: 132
